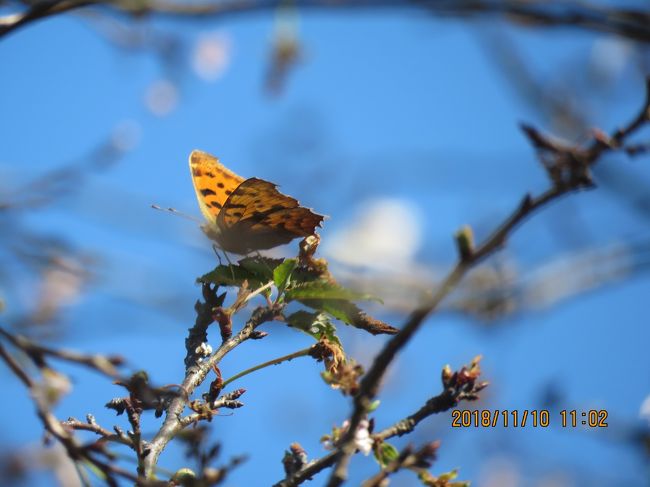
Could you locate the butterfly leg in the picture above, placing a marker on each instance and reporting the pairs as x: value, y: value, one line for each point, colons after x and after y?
x: 230, y: 265
x: 225, y: 255
x: 218, y: 254
x: 215, y: 249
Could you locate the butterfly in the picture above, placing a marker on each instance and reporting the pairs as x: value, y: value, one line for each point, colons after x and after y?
x: 244, y: 215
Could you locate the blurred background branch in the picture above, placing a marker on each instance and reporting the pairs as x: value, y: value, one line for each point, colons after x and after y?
x: 624, y: 22
x: 82, y: 261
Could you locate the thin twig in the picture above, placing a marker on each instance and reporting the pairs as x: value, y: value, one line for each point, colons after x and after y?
x: 258, y: 291
x: 435, y: 405
x: 228, y: 401
x: 74, y: 450
x: 286, y: 358
x: 93, y: 427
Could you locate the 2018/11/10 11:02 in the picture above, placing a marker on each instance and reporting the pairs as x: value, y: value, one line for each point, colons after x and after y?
x: 537, y: 418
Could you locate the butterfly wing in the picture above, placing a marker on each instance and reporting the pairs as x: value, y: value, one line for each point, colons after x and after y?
x: 257, y: 216
x: 213, y: 183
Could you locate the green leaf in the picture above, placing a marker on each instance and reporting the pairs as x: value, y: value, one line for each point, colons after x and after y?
x: 325, y: 290
x: 261, y: 266
x: 334, y: 299
x: 386, y: 453
x: 227, y: 275
x: 341, y: 310
x: 447, y: 476
x: 302, y: 320
x: 350, y: 314
x: 184, y: 477
x: 282, y: 274
x: 256, y: 270
x: 314, y: 324
x: 374, y: 405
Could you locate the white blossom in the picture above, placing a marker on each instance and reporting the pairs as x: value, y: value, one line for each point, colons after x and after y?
x: 205, y: 350
x: 362, y: 438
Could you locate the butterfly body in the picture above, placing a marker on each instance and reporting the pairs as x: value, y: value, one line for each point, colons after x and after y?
x: 244, y: 215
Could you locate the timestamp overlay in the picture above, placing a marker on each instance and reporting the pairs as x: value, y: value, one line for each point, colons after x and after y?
x: 521, y: 418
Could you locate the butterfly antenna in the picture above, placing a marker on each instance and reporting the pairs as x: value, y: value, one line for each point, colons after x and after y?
x: 174, y: 211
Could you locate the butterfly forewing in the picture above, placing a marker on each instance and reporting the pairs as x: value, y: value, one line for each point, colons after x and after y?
x: 213, y: 183
x: 246, y: 215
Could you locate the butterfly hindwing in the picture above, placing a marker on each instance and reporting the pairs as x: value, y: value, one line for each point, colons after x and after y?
x: 258, y: 216
x: 252, y: 199
x: 299, y: 221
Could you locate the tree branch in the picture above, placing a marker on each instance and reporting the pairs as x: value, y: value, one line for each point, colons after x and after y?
x: 458, y: 386
x: 196, y: 371
x: 568, y: 174
x: 54, y: 427
x: 100, y: 363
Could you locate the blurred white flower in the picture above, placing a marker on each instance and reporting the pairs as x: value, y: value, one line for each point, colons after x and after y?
x: 53, y: 458
x: 61, y: 285
x: 52, y: 387
x: 644, y: 410
x: 161, y: 97
x: 211, y: 55
x: 328, y: 444
x: 385, y: 234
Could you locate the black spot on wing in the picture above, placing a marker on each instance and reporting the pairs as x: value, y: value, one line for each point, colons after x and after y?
x: 259, y: 216
x: 207, y: 192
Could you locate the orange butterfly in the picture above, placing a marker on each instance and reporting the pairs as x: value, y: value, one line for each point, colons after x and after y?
x: 246, y: 214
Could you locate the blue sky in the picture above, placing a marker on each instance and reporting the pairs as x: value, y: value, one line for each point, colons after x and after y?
x: 383, y: 107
